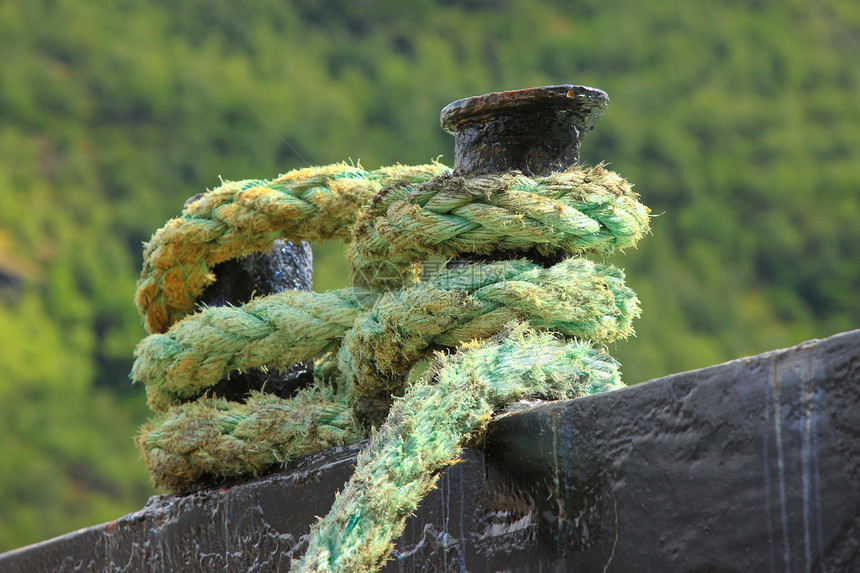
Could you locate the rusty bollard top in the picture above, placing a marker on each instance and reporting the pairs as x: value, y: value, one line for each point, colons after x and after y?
x: 536, y: 130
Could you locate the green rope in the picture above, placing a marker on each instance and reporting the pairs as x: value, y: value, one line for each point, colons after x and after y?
x: 580, y: 210
x: 575, y: 297
x: 365, y: 342
x: 425, y: 431
x: 588, y: 209
x: 242, y: 217
x: 273, y: 332
x: 215, y: 437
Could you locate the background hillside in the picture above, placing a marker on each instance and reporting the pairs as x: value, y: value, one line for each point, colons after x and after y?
x: 739, y: 123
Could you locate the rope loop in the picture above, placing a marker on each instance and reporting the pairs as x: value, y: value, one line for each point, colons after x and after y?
x: 494, y: 331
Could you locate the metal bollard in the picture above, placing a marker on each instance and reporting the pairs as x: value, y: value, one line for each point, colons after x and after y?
x: 286, y: 266
x: 537, y: 131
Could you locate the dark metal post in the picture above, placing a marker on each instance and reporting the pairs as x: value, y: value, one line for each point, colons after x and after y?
x: 536, y: 131
x: 286, y: 266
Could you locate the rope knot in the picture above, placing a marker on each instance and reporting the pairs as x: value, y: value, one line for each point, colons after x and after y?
x: 496, y: 331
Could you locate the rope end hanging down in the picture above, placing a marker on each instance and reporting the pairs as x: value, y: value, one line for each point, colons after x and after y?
x: 516, y: 313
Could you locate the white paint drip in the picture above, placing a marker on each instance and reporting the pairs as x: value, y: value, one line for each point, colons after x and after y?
x: 783, y: 506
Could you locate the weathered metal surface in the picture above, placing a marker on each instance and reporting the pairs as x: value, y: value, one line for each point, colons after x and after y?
x: 536, y: 130
x: 751, y: 465
x: 286, y: 266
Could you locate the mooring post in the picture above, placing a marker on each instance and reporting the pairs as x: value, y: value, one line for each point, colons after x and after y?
x: 286, y: 266
x: 537, y: 131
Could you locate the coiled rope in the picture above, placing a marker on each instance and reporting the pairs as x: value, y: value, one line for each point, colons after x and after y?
x: 511, y: 329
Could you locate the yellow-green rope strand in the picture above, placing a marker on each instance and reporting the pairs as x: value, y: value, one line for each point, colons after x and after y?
x: 583, y: 209
x: 576, y: 298
x: 211, y: 437
x: 243, y: 217
x: 274, y: 331
x: 425, y: 431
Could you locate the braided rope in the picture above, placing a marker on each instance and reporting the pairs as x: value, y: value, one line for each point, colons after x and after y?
x: 575, y: 297
x: 579, y: 210
x: 242, y: 217
x: 211, y: 436
x: 584, y: 209
x: 274, y: 332
x: 426, y: 430
x: 365, y: 342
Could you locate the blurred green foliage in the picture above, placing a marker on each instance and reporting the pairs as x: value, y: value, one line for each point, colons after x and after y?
x: 739, y: 122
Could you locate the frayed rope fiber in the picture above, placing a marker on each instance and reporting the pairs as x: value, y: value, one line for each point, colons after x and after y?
x: 243, y: 217
x: 500, y: 331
